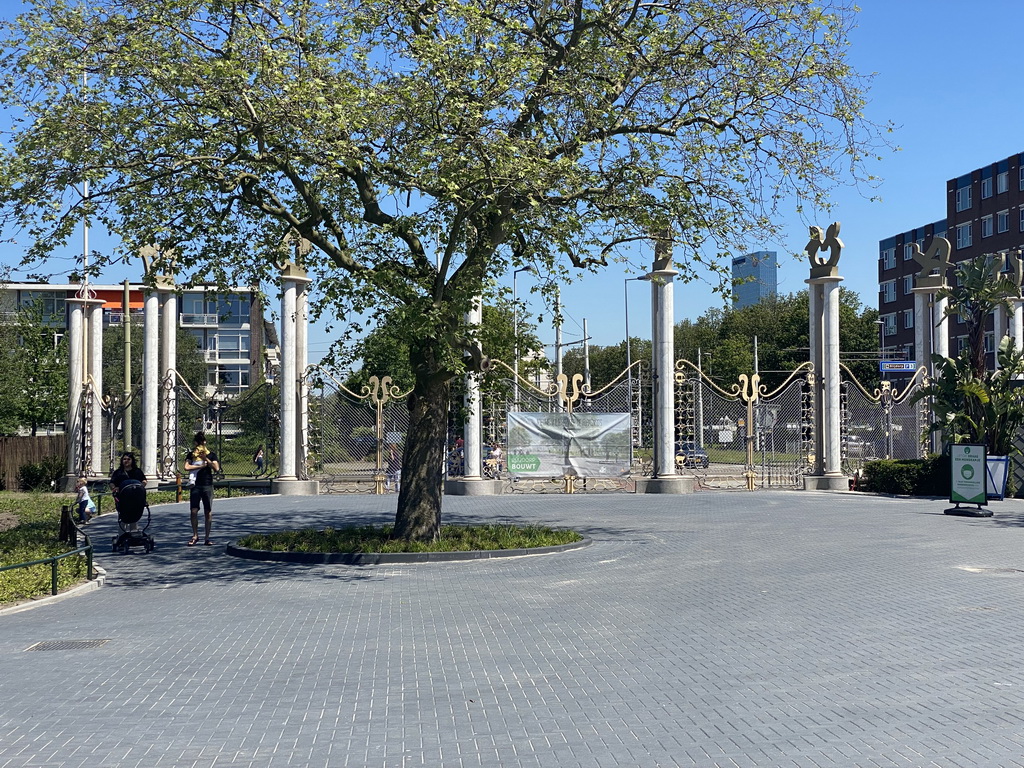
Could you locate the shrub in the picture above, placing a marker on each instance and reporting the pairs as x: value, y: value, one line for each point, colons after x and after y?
x: 908, y: 477
x: 42, y: 475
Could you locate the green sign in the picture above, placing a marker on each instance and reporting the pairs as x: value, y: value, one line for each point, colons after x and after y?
x: 523, y: 462
x: 968, y: 474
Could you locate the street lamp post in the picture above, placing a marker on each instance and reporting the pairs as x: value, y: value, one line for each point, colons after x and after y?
x: 515, y: 333
x: 881, y: 345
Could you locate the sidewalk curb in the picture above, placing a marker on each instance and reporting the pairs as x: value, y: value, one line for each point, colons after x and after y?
x: 388, y: 558
x: 75, y: 591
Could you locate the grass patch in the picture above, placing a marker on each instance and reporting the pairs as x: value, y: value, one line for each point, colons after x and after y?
x: 31, y: 525
x: 29, y: 530
x: 377, y: 538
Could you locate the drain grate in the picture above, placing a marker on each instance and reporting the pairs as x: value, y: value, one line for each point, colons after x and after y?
x: 66, y: 645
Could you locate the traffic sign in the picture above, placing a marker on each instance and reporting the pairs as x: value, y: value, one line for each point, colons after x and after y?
x: 897, y: 365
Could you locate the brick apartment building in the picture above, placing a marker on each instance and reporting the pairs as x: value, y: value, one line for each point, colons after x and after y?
x: 984, y: 215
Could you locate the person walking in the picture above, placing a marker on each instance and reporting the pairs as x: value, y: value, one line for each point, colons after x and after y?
x: 204, y: 463
x: 86, y: 506
x: 258, y: 460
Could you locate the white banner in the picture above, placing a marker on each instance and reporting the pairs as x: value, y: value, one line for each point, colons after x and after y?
x: 581, y: 444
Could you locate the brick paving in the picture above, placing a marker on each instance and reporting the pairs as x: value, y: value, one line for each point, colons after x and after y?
x: 716, y: 629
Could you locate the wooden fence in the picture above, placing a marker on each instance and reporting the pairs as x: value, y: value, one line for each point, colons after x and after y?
x: 16, y: 452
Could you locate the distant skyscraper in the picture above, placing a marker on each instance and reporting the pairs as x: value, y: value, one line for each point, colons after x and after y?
x: 755, y: 277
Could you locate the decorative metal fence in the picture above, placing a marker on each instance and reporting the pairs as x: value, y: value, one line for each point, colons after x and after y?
x: 625, y: 394
x: 883, y: 424
x: 356, y: 440
x: 744, y: 436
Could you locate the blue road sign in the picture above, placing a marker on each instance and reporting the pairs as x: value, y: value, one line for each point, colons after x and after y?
x: 897, y: 365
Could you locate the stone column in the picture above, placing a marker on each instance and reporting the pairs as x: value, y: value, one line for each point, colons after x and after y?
x: 302, y: 385
x: 831, y: 406
x: 472, y: 482
x: 823, y: 287
x: 814, y: 332
x: 168, y: 460
x: 96, y: 374
x: 150, y: 384
x: 288, y: 481
x: 665, y: 479
x: 73, y: 427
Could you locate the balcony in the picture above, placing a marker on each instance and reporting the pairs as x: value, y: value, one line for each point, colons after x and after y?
x: 199, y: 321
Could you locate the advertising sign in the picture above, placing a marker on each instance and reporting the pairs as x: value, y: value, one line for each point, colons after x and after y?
x: 581, y: 444
x: 897, y: 365
x: 968, y: 474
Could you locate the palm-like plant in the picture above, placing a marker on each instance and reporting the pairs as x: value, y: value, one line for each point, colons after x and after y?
x: 970, y: 403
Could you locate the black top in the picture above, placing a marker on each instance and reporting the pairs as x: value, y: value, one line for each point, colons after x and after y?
x: 121, y: 474
x: 204, y: 476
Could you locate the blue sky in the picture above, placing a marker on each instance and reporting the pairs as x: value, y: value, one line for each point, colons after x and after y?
x: 946, y: 75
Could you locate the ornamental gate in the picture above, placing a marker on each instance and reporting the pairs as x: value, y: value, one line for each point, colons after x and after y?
x: 883, y: 424
x: 356, y: 439
x: 609, y: 464
x: 744, y: 436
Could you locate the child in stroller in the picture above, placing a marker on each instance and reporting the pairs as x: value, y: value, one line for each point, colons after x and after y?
x: 130, y: 502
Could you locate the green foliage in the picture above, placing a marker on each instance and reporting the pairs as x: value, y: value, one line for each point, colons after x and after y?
x: 34, y: 387
x: 29, y: 528
x: 725, y: 338
x: 913, y: 477
x: 42, y: 475
x: 189, y: 359
x: 371, y: 538
x: 970, y: 403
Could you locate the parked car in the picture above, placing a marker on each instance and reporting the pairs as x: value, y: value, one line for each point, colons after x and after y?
x: 690, y: 454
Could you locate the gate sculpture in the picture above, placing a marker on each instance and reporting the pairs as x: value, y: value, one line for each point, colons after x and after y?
x: 746, y: 436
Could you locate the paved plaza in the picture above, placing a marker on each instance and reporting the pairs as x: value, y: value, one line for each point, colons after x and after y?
x: 715, y: 629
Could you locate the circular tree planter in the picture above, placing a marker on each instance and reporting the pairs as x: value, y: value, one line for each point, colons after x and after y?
x: 386, y: 558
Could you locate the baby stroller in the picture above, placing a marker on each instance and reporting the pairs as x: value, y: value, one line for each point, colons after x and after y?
x: 130, y: 502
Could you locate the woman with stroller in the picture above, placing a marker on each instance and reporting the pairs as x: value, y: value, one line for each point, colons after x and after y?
x: 128, y: 472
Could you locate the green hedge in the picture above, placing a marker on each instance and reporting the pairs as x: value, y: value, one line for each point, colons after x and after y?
x: 908, y: 477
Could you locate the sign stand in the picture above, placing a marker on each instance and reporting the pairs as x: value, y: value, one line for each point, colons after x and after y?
x: 968, y: 483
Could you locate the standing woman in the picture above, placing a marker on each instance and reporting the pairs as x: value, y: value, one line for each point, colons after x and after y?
x: 204, y: 463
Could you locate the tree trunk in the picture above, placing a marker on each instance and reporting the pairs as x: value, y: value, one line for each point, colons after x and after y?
x: 419, y: 496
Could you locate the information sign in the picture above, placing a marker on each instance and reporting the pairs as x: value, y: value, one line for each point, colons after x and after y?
x: 967, y: 484
x: 897, y: 365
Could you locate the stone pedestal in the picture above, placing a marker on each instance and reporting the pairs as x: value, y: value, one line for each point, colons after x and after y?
x: 465, y: 487
x: 678, y: 484
x: 293, y: 487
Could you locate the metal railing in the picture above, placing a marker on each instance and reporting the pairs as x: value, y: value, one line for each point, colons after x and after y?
x: 54, y: 560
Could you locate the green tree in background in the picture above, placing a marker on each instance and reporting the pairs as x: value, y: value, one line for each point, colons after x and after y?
x: 724, y: 340
x: 34, y: 385
x: 422, y: 148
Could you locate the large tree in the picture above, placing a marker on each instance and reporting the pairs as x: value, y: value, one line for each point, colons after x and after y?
x: 423, y: 148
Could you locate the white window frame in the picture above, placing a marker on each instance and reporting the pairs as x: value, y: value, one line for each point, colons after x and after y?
x: 987, y: 226
x: 908, y: 319
x: 990, y: 341
x: 964, y: 236
x: 963, y: 198
x: 908, y: 251
x: 1002, y: 182
x: 889, y: 254
x: 889, y: 324
x: 888, y: 289
x: 908, y: 285
x: 1003, y: 221
x: 986, y: 188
